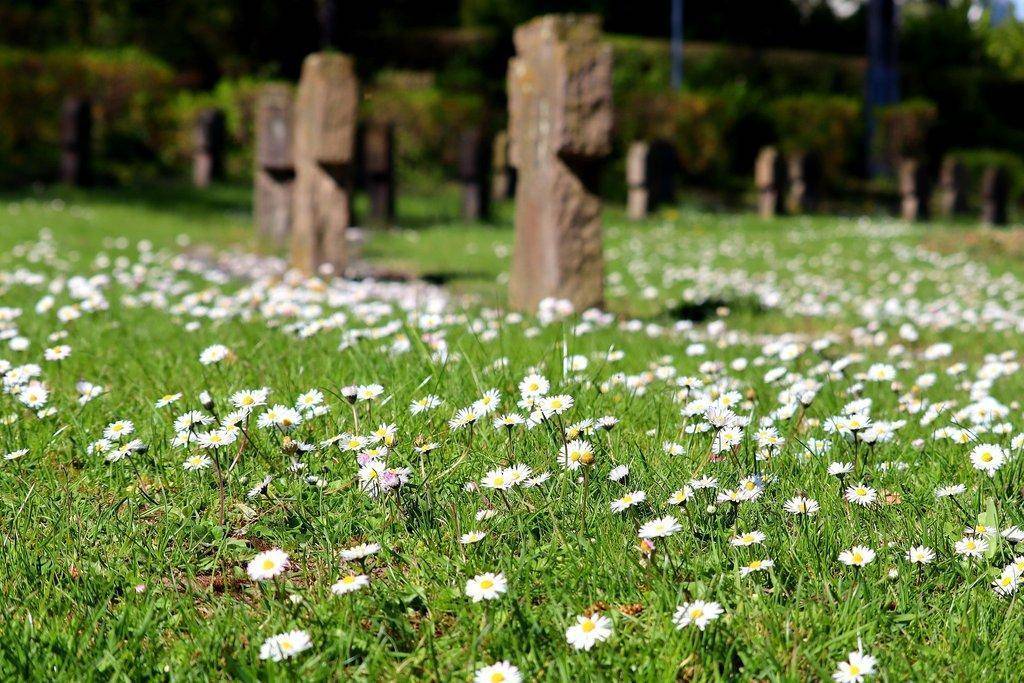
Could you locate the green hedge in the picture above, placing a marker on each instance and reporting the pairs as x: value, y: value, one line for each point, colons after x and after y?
x: 903, y: 130
x: 237, y: 98
x: 129, y: 91
x: 975, y: 161
x: 643, y: 64
x: 697, y: 123
x: 829, y: 126
x: 427, y: 122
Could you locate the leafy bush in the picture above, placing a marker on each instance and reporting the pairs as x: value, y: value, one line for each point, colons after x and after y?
x: 903, y: 129
x: 237, y: 99
x: 128, y: 89
x: 427, y: 121
x: 643, y: 64
x: 975, y: 162
x: 696, y: 123
x: 829, y: 126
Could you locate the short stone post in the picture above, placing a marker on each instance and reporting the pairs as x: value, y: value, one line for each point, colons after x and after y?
x: 325, y: 132
x: 770, y: 180
x: 275, y: 162
x: 474, y: 159
x: 503, y: 175
x: 804, y: 182
x: 379, y: 170
x: 638, y: 194
x: 650, y: 176
x: 560, y: 120
x: 915, y: 190
x: 995, y: 195
x: 952, y: 188
x: 76, y: 141
x: 208, y: 155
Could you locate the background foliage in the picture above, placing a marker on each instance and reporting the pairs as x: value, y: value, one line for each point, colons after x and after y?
x: 755, y: 73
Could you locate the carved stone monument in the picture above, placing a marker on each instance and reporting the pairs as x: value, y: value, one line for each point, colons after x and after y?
x: 503, y: 175
x: 325, y: 132
x: 952, y: 188
x: 474, y: 159
x: 915, y: 190
x: 995, y: 195
x: 379, y: 170
x: 770, y: 180
x: 560, y: 120
x: 76, y: 141
x: 275, y: 162
x: 804, y: 182
x: 208, y: 154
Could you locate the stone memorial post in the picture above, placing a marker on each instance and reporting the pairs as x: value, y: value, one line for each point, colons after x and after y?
x: 770, y: 180
x: 638, y: 193
x: 804, y: 181
x: 560, y: 120
x: 474, y: 159
x: 324, y: 144
x: 650, y: 176
x: 915, y: 190
x: 995, y: 195
x: 76, y: 141
x: 379, y: 170
x: 208, y: 155
x: 503, y: 176
x: 952, y: 188
x: 275, y: 162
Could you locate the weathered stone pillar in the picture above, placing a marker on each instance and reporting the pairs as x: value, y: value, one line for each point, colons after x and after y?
x: 379, y: 170
x: 952, y: 188
x: 474, y: 158
x: 76, y: 141
x: 275, y: 162
x: 638, y: 194
x: 208, y: 155
x: 915, y: 190
x: 770, y: 180
x: 560, y: 120
x: 650, y: 176
x: 804, y: 181
x: 503, y: 175
x: 995, y: 195
x: 325, y: 132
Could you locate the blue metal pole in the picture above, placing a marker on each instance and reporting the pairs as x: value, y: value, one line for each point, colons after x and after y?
x: 676, y: 48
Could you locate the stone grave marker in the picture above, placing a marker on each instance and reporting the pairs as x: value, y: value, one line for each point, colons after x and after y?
x: 275, y: 162
x: 952, y: 188
x: 379, y: 170
x: 474, y: 159
x: 325, y: 130
x: 995, y: 195
x: 915, y: 190
x: 76, y: 141
x: 804, y: 182
x: 770, y: 180
x: 560, y: 120
x: 503, y: 175
x: 208, y: 153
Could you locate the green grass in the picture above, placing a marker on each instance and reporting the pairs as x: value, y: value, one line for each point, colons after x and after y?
x: 136, y: 569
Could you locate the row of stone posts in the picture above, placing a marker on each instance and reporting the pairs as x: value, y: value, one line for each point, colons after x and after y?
x: 786, y: 184
x: 792, y: 185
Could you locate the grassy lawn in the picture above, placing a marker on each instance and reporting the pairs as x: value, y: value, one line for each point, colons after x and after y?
x: 743, y: 360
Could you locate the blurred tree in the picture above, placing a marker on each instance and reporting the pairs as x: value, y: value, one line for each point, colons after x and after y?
x: 1004, y: 45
